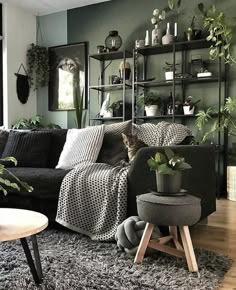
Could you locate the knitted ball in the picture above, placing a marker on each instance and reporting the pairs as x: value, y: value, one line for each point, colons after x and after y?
x: 129, y: 234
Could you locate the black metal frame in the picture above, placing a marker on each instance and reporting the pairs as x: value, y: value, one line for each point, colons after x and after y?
x: 182, y: 47
x: 35, y: 267
x: 101, y: 88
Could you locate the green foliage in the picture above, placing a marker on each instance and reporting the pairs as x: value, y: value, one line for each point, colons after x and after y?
x: 225, y: 120
x: 79, y: 111
x: 38, y: 66
x: 220, y: 33
x: 168, y: 163
x: 33, y: 123
x: 170, y: 66
x: 5, y: 184
x: 174, y: 3
x: 116, y: 105
x: 150, y: 98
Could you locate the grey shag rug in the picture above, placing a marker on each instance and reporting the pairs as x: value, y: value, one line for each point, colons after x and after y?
x: 73, y: 261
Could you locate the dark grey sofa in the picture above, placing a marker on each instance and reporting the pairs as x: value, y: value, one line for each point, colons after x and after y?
x: 199, y: 181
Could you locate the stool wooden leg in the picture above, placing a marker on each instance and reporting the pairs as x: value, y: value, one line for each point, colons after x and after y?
x: 144, y: 243
x: 188, y: 249
x: 174, y: 233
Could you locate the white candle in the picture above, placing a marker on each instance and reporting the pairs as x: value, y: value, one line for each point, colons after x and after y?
x: 176, y: 29
x: 168, y: 26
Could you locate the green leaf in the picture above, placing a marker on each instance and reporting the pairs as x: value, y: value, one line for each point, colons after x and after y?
x: 152, y: 164
x: 11, y: 159
x: 184, y: 166
x: 171, y: 4
x: 164, y: 169
x: 160, y: 157
x: 169, y: 153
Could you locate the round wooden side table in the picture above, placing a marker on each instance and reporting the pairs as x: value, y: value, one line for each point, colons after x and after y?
x: 19, y: 224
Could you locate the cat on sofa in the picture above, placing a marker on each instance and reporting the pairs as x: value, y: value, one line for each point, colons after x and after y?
x: 133, y: 144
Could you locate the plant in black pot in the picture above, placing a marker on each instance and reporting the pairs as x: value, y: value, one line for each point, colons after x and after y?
x: 117, y: 108
x: 168, y: 167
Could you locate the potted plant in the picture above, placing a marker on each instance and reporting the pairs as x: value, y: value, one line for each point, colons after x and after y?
x: 219, y: 33
x: 38, y: 65
x: 169, y: 71
x: 117, y: 108
x: 191, y: 33
x: 168, y: 168
x: 152, y: 103
x: 189, y: 106
x: 225, y: 120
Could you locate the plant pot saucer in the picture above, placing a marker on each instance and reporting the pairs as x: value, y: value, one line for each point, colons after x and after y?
x: 182, y: 192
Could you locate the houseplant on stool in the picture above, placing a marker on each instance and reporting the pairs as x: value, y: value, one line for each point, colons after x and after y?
x: 168, y: 167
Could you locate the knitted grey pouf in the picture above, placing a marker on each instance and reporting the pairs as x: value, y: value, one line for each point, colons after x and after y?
x: 129, y: 234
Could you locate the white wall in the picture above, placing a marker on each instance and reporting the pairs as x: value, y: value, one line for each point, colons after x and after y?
x: 19, y: 31
x: 54, y: 32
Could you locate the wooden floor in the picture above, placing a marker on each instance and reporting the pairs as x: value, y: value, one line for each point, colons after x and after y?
x: 219, y: 235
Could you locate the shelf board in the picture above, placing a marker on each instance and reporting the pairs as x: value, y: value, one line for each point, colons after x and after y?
x: 178, y: 81
x: 111, y: 55
x: 164, y: 117
x: 106, y: 119
x: 179, y: 46
x: 113, y: 87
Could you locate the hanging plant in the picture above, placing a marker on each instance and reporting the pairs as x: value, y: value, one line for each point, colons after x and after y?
x: 38, y: 65
x: 219, y: 32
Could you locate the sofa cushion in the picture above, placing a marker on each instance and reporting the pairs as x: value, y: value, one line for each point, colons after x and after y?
x: 31, y: 149
x: 3, y: 140
x: 58, y: 139
x: 113, y: 149
x: 45, y: 181
x: 82, y: 145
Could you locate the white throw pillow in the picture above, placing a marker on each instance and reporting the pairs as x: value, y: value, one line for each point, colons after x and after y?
x: 82, y: 145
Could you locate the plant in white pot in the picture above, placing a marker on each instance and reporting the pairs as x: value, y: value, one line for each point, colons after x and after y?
x: 152, y: 103
x: 169, y: 71
x: 189, y: 106
x: 168, y: 167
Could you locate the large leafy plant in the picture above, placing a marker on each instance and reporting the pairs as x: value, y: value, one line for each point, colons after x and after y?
x: 5, y: 184
x: 168, y: 163
x: 150, y: 98
x: 219, y: 32
x: 33, y: 123
x: 174, y: 4
x: 38, y: 65
x: 224, y: 121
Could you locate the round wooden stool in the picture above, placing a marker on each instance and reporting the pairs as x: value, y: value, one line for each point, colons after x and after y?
x: 172, y: 211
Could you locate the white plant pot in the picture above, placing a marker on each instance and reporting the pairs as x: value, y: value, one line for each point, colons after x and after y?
x: 108, y: 114
x: 152, y: 110
x: 187, y: 110
x: 169, y: 75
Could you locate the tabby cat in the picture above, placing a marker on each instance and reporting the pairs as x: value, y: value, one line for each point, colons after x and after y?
x: 133, y: 144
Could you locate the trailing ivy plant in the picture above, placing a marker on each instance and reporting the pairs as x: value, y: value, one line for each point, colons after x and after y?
x: 33, y: 123
x: 225, y: 120
x: 38, y: 65
x: 220, y: 33
x: 5, y: 184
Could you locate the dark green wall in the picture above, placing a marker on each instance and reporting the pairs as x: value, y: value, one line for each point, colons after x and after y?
x: 132, y: 18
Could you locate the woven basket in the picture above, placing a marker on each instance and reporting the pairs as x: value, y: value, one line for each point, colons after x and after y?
x: 231, y: 183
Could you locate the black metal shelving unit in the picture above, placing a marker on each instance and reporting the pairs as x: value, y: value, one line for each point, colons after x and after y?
x: 103, y: 88
x: 220, y: 80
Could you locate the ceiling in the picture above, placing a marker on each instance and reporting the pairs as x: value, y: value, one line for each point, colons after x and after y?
x: 43, y: 7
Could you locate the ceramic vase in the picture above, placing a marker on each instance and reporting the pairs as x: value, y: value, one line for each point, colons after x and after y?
x: 168, y: 38
x: 156, y: 35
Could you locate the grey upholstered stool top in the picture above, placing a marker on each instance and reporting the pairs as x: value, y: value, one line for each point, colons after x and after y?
x: 169, y: 210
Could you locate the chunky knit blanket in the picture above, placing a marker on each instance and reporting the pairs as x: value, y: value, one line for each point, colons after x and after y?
x: 93, y: 200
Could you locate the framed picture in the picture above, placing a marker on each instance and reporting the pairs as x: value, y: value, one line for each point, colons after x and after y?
x: 68, y: 72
